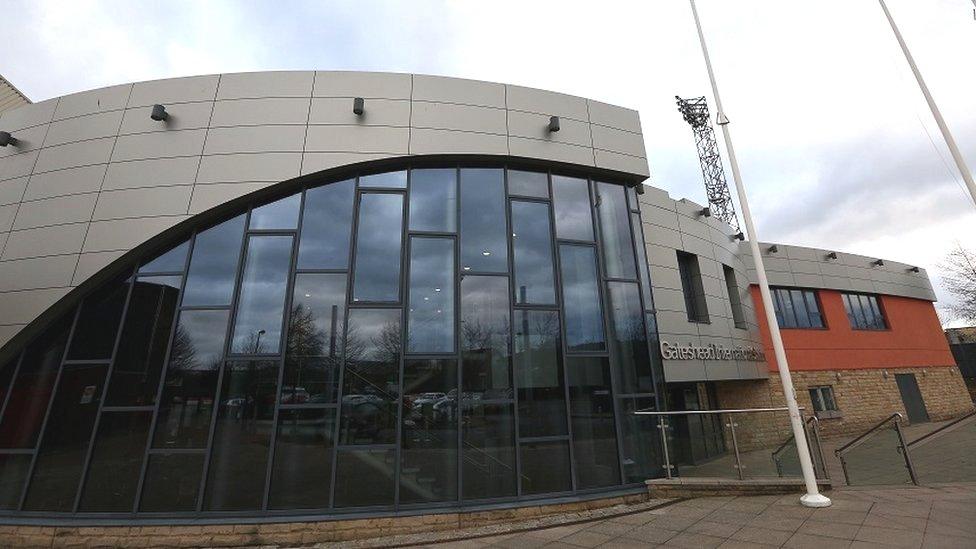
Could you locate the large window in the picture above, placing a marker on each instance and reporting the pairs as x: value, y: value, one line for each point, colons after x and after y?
x: 797, y: 308
x: 692, y: 287
x: 864, y: 311
x: 431, y: 336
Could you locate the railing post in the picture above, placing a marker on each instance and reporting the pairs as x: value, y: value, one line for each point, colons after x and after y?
x: 904, y: 449
x: 664, y: 444
x: 735, y: 446
x: 816, y: 436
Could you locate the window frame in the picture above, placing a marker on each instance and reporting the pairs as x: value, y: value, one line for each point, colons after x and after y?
x: 805, y: 292
x: 817, y: 399
x: 877, y: 311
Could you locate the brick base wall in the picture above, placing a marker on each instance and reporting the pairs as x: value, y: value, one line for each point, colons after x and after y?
x: 287, y: 533
x: 864, y: 397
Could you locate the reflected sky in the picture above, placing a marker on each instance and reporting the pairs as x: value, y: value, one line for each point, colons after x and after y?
x: 528, y: 184
x: 571, y: 201
x: 257, y: 329
x: 433, y: 200
x: 378, y: 241
x: 581, y: 298
x: 327, y: 226
x: 280, y: 214
x: 213, y: 266
x: 173, y: 261
x: 618, y: 250
x: 532, y: 247
x: 483, y: 244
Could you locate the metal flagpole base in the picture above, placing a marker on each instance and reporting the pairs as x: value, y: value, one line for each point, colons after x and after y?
x: 814, y: 500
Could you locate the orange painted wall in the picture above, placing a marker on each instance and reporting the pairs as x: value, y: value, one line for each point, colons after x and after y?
x: 914, y: 337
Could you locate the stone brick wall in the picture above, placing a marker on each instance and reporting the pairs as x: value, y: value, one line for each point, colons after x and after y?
x: 286, y: 533
x: 864, y: 397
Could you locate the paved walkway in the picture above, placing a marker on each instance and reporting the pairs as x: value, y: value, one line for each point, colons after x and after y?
x: 911, y: 517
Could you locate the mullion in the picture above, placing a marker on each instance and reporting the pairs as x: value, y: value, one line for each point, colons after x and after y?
x: 13, y: 380
x: 513, y: 377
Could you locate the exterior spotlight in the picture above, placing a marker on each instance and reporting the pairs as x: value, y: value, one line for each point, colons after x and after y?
x: 553, y: 124
x: 159, y: 113
x: 639, y: 188
x: 913, y: 269
x: 832, y: 255
x: 773, y: 249
x: 878, y: 262
x: 7, y: 139
x: 739, y: 236
x: 705, y: 212
x: 358, y: 106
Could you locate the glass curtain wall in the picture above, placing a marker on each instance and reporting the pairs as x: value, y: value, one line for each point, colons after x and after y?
x: 423, y: 337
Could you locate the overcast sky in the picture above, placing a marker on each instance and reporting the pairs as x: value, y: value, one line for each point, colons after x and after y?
x: 836, y: 145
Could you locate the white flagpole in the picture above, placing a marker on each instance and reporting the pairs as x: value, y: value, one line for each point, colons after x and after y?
x: 950, y: 142
x: 813, y: 497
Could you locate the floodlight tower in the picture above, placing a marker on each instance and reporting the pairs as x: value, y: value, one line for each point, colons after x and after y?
x: 695, y: 113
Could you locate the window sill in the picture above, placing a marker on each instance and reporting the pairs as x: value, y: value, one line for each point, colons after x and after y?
x: 829, y: 414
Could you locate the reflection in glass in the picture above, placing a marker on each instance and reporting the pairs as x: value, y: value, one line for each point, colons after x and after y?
x: 173, y: 261
x: 571, y: 205
x: 370, y: 390
x: 172, y: 482
x: 485, y: 332
x: 327, y: 226
x: 257, y: 329
x: 191, y: 380
x: 31, y: 389
x: 640, y: 439
x: 391, y: 180
x: 144, y: 341
x: 528, y: 184
x: 632, y: 197
x: 245, y: 417
x: 430, y: 322
x: 539, y: 374
x: 532, y: 245
x: 545, y: 467
x: 581, y: 298
x: 98, y: 323
x: 378, y: 242
x: 13, y: 475
x: 488, y: 446
x: 429, y: 433
x: 116, y: 461
x: 213, y: 264
x: 618, y: 249
x: 280, y: 214
x: 61, y: 457
x: 591, y: 412
x: 484, y: 247
x: 314, y: 346
x: 628, y: 341
x: 433, y: 200
x: 642, y: 261
x: 7, y: 370
x: 302, y: 473
x: 376, y: 464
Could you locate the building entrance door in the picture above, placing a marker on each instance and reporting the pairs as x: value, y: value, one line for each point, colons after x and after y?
x: 912, y: 398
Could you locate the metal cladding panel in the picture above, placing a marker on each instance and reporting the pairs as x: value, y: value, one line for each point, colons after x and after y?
x: 672, y: 226
x: 94, y: 177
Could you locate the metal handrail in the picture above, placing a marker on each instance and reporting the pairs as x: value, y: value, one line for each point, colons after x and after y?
x: 816, y: 433
x: 948, y: 426
x: 861, y: 438
x: 693, y: 412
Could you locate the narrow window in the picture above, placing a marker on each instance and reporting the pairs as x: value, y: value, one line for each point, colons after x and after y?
x: 824, y: 404
x: 257, y: 329
x: 692, y: 288
x: 327, y: 226
x: 433, y: 200
x: 213, y: 265
x: 735, y: 301
x: 532, y: 246
x: 430, y: 319
x: 618, y: 248
x: 581, y: 298
x: 571, y: 202
x: 484, y: 247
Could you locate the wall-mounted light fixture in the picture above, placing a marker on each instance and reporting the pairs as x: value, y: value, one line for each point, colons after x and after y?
x: 159, y: 113
x: 7, y: 139
x: 878, y: 262
x: 739, y: 236
x: 837, y: 376
x: 553, y: 124
x: 831, y: 255
x: 913, y: 269
x: 884, y: 374
x: 705, y: 212
x: 358, y: 106
x: 773, y: 249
